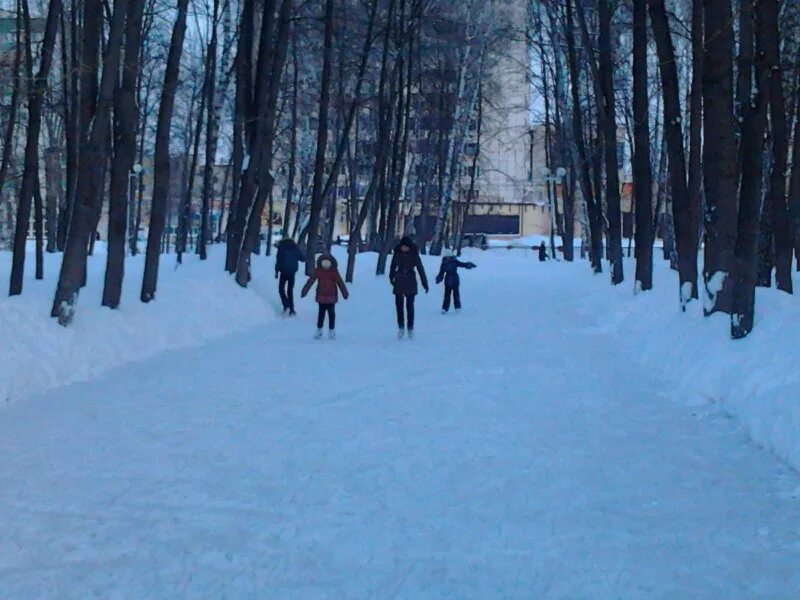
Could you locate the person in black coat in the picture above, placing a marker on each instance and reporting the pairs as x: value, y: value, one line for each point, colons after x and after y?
x: 287, y: 263
x: 448, y: 273
x: 542, y: 252
x: 406, y: 265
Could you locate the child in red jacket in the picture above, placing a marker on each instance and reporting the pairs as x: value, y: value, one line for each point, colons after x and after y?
x: 329, y: 282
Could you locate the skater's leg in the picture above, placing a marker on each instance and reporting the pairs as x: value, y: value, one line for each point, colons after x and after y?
x: 457, y: 297
x: 282, y: 290
x: 398, y: 303
x: 290, y: 291
x: 331, y: 317
x: 321, y: 316
x: 410, y: 312
x: 447, y: 292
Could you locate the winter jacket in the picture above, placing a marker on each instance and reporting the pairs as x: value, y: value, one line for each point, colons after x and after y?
x: 448, y: 272
x: 401, y: 273
x: 288, y: 258
x: 328, y: 281
x: 542, y: 253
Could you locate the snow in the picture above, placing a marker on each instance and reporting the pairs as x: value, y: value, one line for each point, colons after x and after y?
x: 559, y: 438
x: 194, y: 303
x: 713, y: 287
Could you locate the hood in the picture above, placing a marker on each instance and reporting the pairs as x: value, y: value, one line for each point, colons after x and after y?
x: 287, y: 243
x: 406, y: 241
x: 322, y: 257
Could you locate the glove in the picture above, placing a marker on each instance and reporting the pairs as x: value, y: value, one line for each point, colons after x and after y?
x: 426, y: 289
x: 438, y: 280
x: 276, y: 274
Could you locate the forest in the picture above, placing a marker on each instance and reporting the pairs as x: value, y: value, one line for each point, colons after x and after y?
x: 170, y: 127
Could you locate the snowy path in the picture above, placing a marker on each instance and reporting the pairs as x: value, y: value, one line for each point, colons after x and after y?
x: 508, y: 452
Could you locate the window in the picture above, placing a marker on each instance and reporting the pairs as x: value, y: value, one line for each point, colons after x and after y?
x: 492, y: 224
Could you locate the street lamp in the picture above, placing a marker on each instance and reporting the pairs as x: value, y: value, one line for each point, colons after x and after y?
x: 552, y: 179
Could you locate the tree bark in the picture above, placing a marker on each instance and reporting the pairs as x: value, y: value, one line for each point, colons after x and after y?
x: 685, y: 214
x: 125, y: 124
x: 8, y: 140
x: 90, y: 175
x: 696, y: 131
x: 719, y: 156
x: 53, y: 197
x: 161, y: 162
x: 36, y: 89
x: 613, y: 210
x: 782, y: 235
x: 211, y: 136
x: 642, y: 174
x: 272, y: 64
x: 287, y: 211
x: 592, y: 202
x: 752, y: 146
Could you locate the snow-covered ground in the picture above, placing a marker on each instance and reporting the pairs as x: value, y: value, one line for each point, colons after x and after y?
x: 558, y: 439
x: 194, y: 303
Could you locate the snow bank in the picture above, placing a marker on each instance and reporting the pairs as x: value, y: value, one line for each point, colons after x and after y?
x: 195, y: 303
x: 755, y: 380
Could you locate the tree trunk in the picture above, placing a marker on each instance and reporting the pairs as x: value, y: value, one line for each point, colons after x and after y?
x: 125, y: 124
x: 272, y: 63
x: 90, y: 175
x: 287, y: 210
x: 613, y: 210
x: 54, y: 195
x: 719, y: 156
x: 211, y: 136
x: 752, y: 146
x: 782, y: 234
x: 36, y: 89
x: 186, y: 213
x: 794, y: 186
x: 161, y: 162
x: 696, y: 131
x: 642, y: 174
x: 592, y: 202
x: 685, y: 215
x: 8, y: 140
x: 38, y: 228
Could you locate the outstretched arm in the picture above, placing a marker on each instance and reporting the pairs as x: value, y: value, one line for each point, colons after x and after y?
x: 307, y: 286
x: 342, y: 286
x: 440, y: 276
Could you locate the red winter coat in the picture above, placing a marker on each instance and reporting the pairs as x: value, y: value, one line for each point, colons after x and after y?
x: 329, y: 282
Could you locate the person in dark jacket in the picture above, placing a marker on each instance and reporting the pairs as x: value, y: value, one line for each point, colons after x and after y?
x: 329, y: 283
x: 406, y: 265
x: 286, y: 264
x: 542, y: 252
x: 448, y: 273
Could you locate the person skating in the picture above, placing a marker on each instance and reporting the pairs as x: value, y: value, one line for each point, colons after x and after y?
x: 329, y: 282
x: 542, y: 252
x: 286, y: 264
x: 448, y: 273
x: 406, y: 265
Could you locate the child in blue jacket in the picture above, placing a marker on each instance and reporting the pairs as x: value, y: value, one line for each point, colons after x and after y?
x: 448, y: 273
